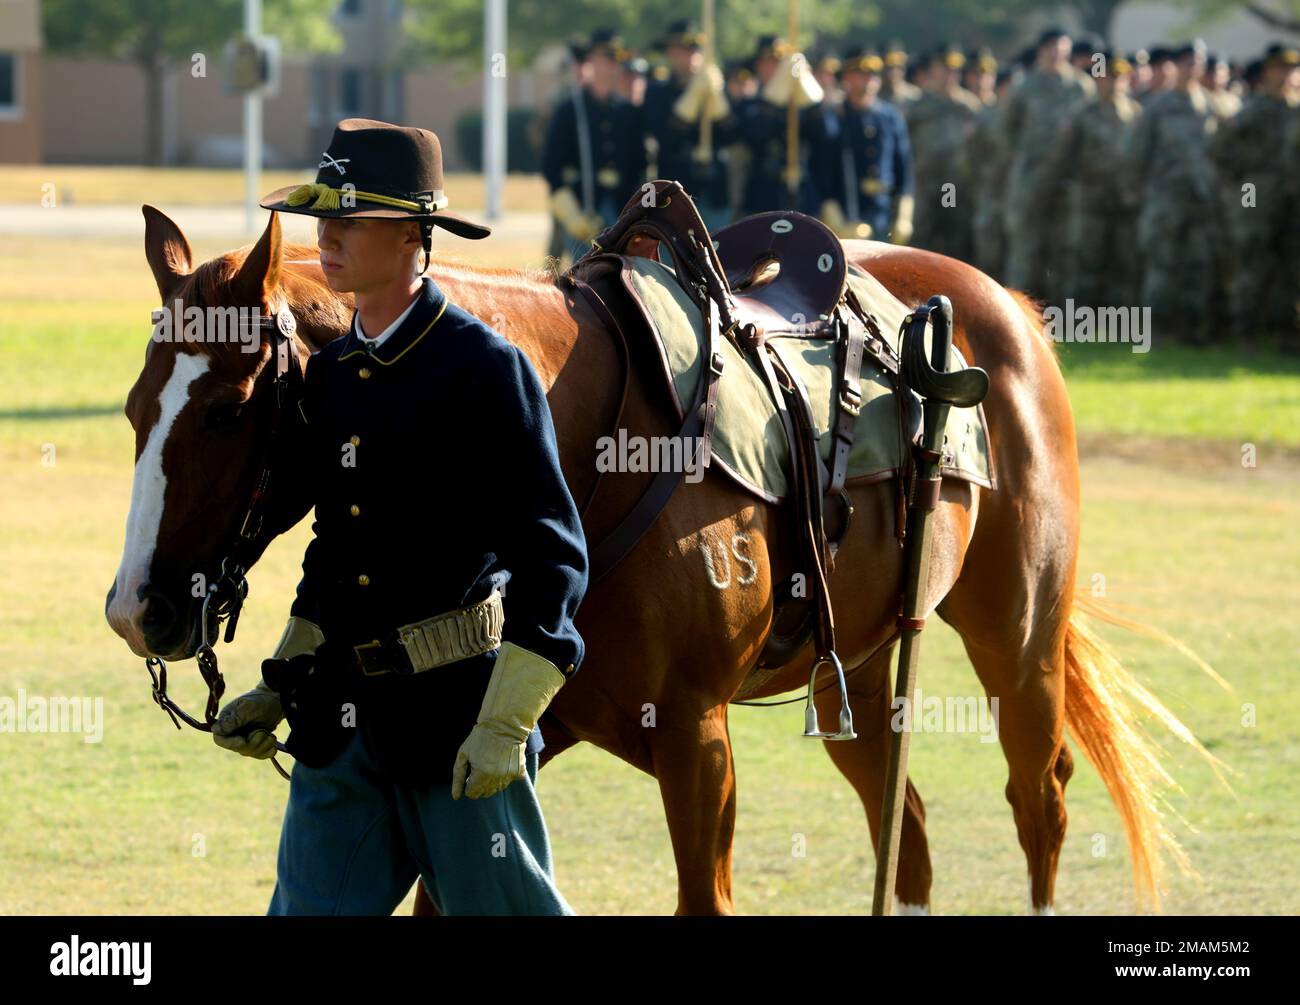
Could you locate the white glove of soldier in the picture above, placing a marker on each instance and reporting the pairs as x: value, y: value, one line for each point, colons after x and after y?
x: 793, y: 74
x: 581, y: 226
x: 247, y: 724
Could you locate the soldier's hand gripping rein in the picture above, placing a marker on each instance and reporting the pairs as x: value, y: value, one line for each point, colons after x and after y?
x: 522, y: 685
x: 247, y: 724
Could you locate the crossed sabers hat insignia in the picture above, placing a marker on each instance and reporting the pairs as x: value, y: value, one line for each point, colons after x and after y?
x: 332, y: 162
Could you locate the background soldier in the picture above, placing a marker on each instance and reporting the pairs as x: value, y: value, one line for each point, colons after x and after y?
x: 1100, y: 265
x: 1261, y: 290
x: 981, y: 76
x: 895, y: 88
x: 594, y: 157
x: 762, y: 122
x: 1224, y: 102
x: 1178, y: 226
x: 1036, y: 109
x: 862, y: 170
x: 941, y: 123
x: 988, y: 158
x: 675, y: 105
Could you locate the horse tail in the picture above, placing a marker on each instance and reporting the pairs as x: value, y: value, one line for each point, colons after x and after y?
x: 1102, y: 705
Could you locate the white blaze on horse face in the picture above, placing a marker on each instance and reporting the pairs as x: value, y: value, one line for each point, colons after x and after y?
x: 148, y: 488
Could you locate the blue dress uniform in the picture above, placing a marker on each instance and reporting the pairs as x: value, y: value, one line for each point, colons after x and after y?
x: 863, y: 161
x: 433, y: 465
x: 706, y: 182
x: 763, y: 127
x: 618, y: 158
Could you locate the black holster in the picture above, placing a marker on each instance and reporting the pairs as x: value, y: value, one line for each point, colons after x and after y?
x: 318, y: 694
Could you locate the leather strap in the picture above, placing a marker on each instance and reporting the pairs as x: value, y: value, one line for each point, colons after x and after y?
x: 848, y: 401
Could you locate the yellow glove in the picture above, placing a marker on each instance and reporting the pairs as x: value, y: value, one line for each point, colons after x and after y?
x: 903, y: 219
x: 784, y: 79
x: 580, y: 225
x: 260, y: 708
x: 834, y: 217
x: 521, y: 687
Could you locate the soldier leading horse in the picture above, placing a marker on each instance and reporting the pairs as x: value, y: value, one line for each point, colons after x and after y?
x: 658, y: 631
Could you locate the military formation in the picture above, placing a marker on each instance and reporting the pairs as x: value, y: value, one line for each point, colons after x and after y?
x: 1166, y: 179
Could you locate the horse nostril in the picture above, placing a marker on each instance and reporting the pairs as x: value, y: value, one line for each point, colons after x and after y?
x: 159, y: 615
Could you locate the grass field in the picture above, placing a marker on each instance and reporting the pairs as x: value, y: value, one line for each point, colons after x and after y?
x: 154, y: 821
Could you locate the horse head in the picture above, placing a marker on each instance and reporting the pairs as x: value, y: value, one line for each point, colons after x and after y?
x: 201, y: 409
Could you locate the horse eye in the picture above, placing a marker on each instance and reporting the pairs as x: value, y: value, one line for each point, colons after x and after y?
x: 223, y: 417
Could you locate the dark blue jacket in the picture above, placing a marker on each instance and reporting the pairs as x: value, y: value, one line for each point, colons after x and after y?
x: 433, y: 466
x: 617, y: 149
x: 880, y: 162
x: 763, y: 127
x: 678, y: 140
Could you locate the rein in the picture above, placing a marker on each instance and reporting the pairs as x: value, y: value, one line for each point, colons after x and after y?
x: 225, y: 596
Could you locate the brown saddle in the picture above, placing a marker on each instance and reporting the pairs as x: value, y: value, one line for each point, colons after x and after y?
x: 786, y: 271
x: 766, y: 277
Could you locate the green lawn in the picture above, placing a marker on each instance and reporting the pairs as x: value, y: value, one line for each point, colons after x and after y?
x: 154, y: 821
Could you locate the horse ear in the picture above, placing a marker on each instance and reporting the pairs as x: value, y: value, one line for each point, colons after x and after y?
x: 165, y: 247
x: 260, y: 273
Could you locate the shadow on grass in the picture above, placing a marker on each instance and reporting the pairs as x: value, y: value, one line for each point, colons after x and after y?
x: 46, y: 414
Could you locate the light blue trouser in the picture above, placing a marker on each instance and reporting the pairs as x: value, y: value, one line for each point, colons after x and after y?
x: 353, y: 843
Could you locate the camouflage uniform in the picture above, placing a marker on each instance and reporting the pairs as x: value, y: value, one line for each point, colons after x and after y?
x: 1035, y: 111
x: 1261, y: 292
x: 941, y: 123
x: 1099, y: 266
x: 1179, y: 232
x: 987, y: 157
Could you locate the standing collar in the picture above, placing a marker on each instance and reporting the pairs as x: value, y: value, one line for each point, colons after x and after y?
x: 421, y: 316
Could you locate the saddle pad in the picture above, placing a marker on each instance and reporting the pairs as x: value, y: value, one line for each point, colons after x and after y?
x: 749, y: 439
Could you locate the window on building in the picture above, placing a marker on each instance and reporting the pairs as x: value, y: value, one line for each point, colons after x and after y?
x: 349, y: 92
x: 393, y: 95
x: 9, y: 70
x: 318, y: 95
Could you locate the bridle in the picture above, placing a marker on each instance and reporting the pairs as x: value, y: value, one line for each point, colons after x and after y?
x: 225, y: 596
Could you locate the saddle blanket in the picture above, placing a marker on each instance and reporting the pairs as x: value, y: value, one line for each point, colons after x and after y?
x: 749, y: 439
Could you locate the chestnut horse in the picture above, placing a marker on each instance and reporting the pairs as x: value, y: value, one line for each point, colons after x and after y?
x: 666, y: 629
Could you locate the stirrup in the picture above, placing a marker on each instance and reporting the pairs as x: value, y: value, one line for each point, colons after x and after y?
x: 810, y: 729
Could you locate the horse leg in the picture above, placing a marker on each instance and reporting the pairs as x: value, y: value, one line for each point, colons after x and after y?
x: 697, y: 780
x: 1011, y: 606
x: 864, y: 762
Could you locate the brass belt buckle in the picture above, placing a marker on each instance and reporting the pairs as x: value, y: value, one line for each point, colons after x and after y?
x: 365, y: 662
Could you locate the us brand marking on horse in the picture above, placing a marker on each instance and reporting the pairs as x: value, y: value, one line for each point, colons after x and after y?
x: 722, y: 582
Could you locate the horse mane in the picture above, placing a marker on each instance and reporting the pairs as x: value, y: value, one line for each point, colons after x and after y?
x: 319, y: 308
